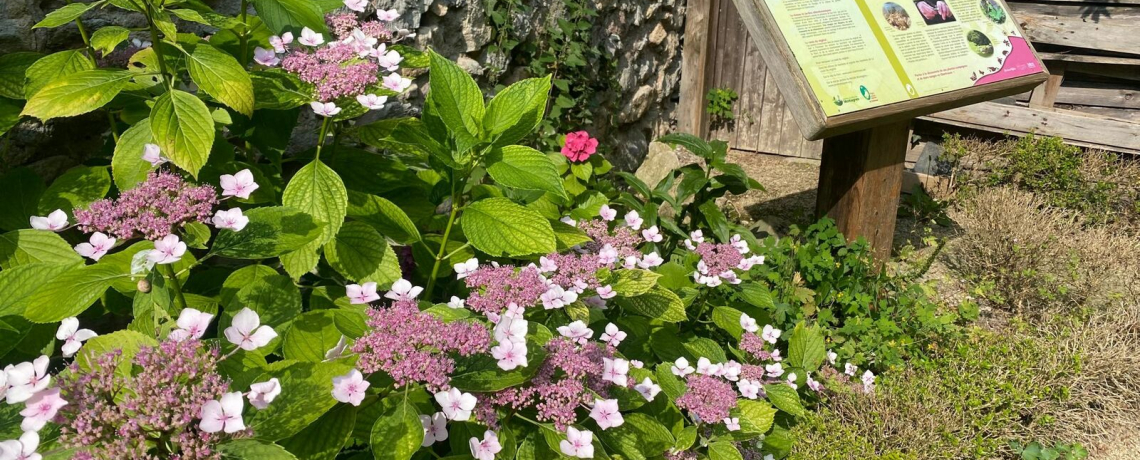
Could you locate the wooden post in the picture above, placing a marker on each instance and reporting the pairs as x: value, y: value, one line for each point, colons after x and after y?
x: 1045, y: 95
x: 860, y: 179
x: 691, y: 116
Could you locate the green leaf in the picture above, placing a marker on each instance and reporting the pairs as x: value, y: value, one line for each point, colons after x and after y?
x: 728, y: 318
x: 639, y: 438
x: 280, y: 15
x: 29, y: 246
x: 76, y: 188
x: 183, y: 129
x: 311, y: 335
x: 567, y: 235
x: 253, y: 449
x: 659, y: 303
x: 64, y: 15
x: 693, y: 143
x: 758, y: 295
x: 517, y: 110
x: 20, y: 282
x: 13, y: 67
x: 306, y: 395
x: 724, y: 450
x: 271, y: 232
x: 360, y: 254
x: 127, y: 163
x: 500, y: 227
x: 397, y: 435
x: 129, y: 342
x: 524, y: 168
x: 714, y: 217
x: 107, y: 38
x: 670, y: 384
x: 221, y: 76
x: 70, y: 293
x: 806, y: 348
x: 317, y: 190
x: 784, y: 398
x: 703, y: 347
x: 632, y: 283
x: 756, y: 417
x: 9, y: 114
x: 385, y: 216
x: 324, y: 438
x: 21, y: 189
x: 274, y: 298
x: 278, y: 90
x: 54, y: 66
x: 457, y: 98
x: 77, y: 94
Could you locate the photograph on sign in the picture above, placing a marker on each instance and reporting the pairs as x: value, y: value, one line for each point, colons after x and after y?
x: 863, y: 54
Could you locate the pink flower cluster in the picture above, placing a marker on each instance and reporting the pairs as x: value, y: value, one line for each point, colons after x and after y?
x: 493, y: 288
x: 569, y: 378
x: 112, y: 416
x: 579, y: 146
x: 719, y: 260
x: 623, y: 239
x: 343, y: 24
x: 414, y: 347
x: 336, y: 70
x: 153, y: 209
x: 708, y: 397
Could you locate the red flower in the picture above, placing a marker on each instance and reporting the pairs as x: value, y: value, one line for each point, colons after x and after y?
x: 579, y: 146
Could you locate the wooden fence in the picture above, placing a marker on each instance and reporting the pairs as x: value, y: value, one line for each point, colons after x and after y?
x: 1092, y: 49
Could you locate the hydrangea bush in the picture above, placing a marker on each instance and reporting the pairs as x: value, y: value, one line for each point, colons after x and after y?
x: 408, y: 288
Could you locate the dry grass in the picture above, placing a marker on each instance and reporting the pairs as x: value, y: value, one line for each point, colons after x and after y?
x: 1041, y: 260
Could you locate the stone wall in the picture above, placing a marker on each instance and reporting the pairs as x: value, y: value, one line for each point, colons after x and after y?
x: 643, y: 36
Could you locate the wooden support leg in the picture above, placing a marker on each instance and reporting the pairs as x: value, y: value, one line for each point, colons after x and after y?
x: 859, y: 183
x: 1045, y: 95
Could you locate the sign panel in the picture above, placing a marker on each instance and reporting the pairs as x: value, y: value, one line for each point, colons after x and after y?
x: 863, y: 54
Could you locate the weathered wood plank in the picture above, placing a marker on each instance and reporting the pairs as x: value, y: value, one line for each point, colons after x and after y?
x: 1090, y: 59
x: 1122, y: 114
x: 694, y: 57
x: 751, y: 103
x: 1114, y: 97
x: 730, y: 61
x: 1108, y: 28
x: 860, y: 178
x: 1081, y: 129
x: 771, y: 116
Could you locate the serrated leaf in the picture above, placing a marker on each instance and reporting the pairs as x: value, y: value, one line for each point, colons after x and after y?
x: 806, y: 348
x: 76, y: 188
x: 728, y: 318
x: 183, y: 129
x: 19, y: 283
x: 281, y: 15
x: 77, y: 94
x: 632, y: 283
x: 500, y: 227
x: 670, y: 384
x: 13, y: 67
x: 397, y: 435
x: 64, y: 15
x: 517, y: 110
x: 253, y: 449
x: 567, y: 235
x: 9, y: 114
x: 458, y: 99
x: 27, y: 246
x: 70, y: 293
x: 127, y: 164
x: 756, y: 417
x: 639, y: 438
x: 277, y: 90
x: 221, y: 76
x: 702, y: 347
x: 271, y: 232
x: 693, y: 143
x: 659, y: 303
x: 360, y: 254
x: 784, y: 398
x: 107, y: 38
x: 311, y: 335
x: 757, y: 294
x: 383, y: 215
x: 53, y: 66
x: 319, y: 191
x: 324, y: 438
x: 724, y: 450
x: 524, y: 168
x: 306, y: 395
x: 21, y: 189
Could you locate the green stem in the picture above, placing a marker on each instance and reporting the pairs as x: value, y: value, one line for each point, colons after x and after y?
x: 244, y: 38
x: 456, y: 251
x: 181, y: 298
x: 321, y: 139
x: 443, y: 244
x: 156, y: 41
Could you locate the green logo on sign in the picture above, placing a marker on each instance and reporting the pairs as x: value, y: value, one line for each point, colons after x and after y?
x: 865, y: 92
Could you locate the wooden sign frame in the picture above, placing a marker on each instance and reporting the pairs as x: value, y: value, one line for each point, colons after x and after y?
x: 803, y: 103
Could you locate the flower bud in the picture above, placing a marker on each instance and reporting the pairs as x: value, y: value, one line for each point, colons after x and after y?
x: 144, y: 286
